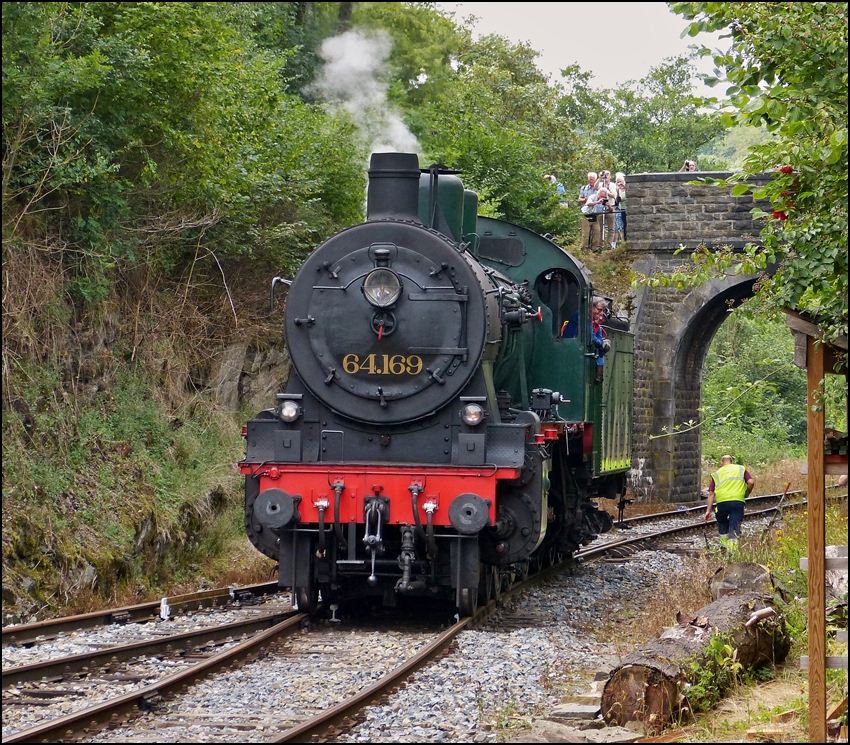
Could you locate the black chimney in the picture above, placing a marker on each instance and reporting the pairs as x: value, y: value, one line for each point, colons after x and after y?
x: 393, y: 187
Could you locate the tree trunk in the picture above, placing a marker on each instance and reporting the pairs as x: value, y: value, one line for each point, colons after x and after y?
x: 649, y: 685
x: 343, y: 20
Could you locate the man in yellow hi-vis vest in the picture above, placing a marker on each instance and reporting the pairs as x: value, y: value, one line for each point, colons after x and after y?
x: 730, y: 485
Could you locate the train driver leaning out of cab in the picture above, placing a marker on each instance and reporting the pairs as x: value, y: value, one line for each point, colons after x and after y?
x: 729, y: 486
x: 598, y: 335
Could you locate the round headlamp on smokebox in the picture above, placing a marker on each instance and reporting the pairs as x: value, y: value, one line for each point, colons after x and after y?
x: 472, y: 414
x: 288, y: 411
x: 382, y: 287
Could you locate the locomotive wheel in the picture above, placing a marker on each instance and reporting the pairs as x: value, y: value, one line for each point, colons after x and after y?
x: 522, y: 569
x: 555, y: 556
x: 468, y: 601
x: 488, y: 584
x: 307, y: 598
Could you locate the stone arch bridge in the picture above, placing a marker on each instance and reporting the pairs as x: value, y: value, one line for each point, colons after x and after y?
x: 674, y: 328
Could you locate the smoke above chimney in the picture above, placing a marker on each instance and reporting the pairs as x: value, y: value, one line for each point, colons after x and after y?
x: 354, y: 78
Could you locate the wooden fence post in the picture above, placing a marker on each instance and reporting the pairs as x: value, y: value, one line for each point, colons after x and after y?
x: 817, y: 543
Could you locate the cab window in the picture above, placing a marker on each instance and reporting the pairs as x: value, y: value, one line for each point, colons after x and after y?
x: 559, y: 290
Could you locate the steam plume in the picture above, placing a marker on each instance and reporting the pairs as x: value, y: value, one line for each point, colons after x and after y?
x: 353, y: 77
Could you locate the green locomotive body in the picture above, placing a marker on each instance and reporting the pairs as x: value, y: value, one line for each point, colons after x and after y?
x: 447, y: 425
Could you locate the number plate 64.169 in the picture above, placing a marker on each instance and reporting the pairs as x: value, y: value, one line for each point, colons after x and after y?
x: 383, y: 364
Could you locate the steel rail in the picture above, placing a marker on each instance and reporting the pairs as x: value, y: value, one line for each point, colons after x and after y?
x: 321, y: 723
x: 187, y: 640
x: 673, y: 513
x: 111, y: 710
x: 596, y: 551
x: 29, y: 632
x: 344, y: 713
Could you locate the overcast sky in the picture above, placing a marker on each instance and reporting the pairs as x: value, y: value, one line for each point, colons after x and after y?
x: 617, y: 42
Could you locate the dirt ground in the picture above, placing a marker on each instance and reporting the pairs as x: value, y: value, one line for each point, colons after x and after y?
x: 751, y: 709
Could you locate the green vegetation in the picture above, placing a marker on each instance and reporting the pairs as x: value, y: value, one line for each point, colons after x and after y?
x: 104, y: 480
x: 654, y: 126
x: 779, y: 547
x: 786, y: 70
x: 729, y: 150
x: 754, y: 399
x: 713, y: 674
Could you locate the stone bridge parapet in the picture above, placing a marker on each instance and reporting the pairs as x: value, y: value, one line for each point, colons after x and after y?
x: 674, y: 328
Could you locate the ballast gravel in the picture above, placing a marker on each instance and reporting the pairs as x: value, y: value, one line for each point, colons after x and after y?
x: 97, y: 639
x: 509, y: 671
x: 500, y: 677
x: 19, y: 708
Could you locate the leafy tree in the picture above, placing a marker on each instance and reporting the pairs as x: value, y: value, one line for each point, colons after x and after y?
x: 750, y: 391
x: 655, y: 124
x: 496, y: 121
x: 292, y: 30
x: 425, y: 42
x: 580, y: 102
x: 652, y: 124
x: 730, y: 148
x: 162, y: 132
x: 482, y: 107
x: 786, y: 70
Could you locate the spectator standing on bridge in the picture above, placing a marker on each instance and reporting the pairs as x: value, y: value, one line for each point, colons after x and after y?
x: 688, y: 165
x: 729, y: 487
x: 609, y: 234
x: 558, y: 187
x: 591, y: 227
x: 619, y: 209
x: 603, y: 213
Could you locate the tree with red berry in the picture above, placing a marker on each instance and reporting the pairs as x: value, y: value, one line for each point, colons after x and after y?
x: 786, y: 70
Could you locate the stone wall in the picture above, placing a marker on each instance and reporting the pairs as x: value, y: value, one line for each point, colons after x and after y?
x: 674, y: 328
x: 665, y: 211
x: 245, y: 374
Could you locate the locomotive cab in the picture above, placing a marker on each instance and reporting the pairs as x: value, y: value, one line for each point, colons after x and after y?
x: 560, y: 292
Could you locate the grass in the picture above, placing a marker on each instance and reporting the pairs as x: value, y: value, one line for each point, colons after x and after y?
x: 111, y: 497
x: 612, y: 273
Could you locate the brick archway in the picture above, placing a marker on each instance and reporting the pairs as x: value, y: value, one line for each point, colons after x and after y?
x: 674, y: 328
x: 674, y: 370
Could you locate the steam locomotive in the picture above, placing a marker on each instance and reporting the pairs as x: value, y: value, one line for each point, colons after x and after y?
x: 439, y: 435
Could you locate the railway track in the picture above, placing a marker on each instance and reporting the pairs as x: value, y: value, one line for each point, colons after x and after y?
x: 114, y: 709
x: 318, y: 717
x: 751, y: 502
x: 22, y: 634
x: 681, y: 522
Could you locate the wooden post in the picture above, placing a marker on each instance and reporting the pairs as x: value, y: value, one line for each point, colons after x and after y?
x: 817, y: 544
